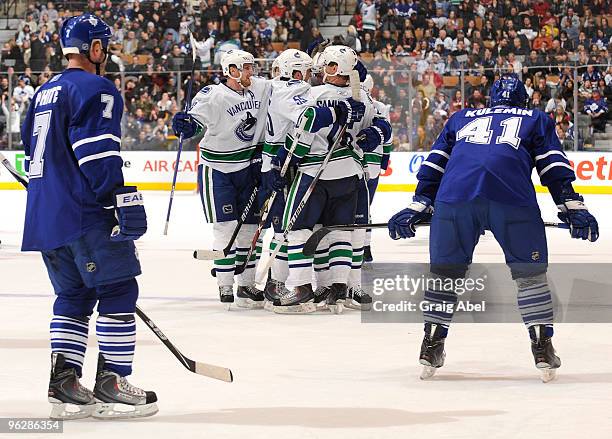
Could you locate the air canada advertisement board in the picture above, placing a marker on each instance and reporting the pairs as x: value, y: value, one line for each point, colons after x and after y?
x: 153, y: 170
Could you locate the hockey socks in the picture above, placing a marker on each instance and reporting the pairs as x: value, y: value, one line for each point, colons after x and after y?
x: 535, y: 301
x: 69, y: 338
x: 117, y: 339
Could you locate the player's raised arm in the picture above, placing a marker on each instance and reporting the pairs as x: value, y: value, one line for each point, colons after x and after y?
x: 557, y: 175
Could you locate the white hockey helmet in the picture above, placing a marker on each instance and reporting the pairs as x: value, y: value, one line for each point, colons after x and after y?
x: 235, y: 57
x: 368, y: 83
x: 343, y: 56
x: 291, y: 60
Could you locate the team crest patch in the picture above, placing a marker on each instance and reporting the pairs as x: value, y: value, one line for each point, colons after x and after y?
x: 244, y: 130
x: 535, y: 256
x: 227, y: 209
x: 206, y: 90
x: 91, y: 267
x: 275, y: 220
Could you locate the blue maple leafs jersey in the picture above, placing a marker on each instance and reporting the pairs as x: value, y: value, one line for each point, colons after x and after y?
x: 71, y: 136
x: 490, y: 153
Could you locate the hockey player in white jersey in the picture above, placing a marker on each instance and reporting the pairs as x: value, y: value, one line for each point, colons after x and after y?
x: 234, y: 114
x: 377, y: 161
x: 372, y: 163
x: 335, y: 195
x: 289, y: 97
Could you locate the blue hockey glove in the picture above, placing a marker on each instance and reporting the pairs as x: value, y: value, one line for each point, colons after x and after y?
x: 582, y: 224
x: 256, y: 168
x: 276, y: 182
x: 130, y: 213
x: 402, y: 224
x: 349, y: 111
x: 183, y: 123
x: 369, y: 138
x: 363, y: 71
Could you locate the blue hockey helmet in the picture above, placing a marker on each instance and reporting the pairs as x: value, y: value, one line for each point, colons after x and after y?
x: 509, y: 90
x: 79, y: 32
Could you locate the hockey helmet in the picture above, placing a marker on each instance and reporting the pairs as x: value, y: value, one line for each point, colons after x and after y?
x: 344, y: 57
x: 291, y: 60
x: 509, y: 90
x: 78, y: 33
x: 237, y: 58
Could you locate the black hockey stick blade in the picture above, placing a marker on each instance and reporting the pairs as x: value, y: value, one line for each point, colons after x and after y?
x: 16, y: 175
x: 310, y: 246
x: 204, y: 369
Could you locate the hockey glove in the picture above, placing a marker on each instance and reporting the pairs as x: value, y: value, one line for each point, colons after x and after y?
x: 362, y: 70
x: 274, y: 181
x: 582, y: 224
x: 256, y: 168
x: 130, y: 213
x: 402, y: 224
x: 183, y: 123
x: 369, y: 138
x: 349, y: 111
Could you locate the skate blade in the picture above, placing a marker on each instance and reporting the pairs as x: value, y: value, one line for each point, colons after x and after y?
x: 547, y: 374
x: 336, y: 308
x: 302, y: 308
x: 63, y: 411
x: 351, y: 304
x: 268, y: 306
x: 243, y: 302
x: 117, y: 410
x: 428, y: 370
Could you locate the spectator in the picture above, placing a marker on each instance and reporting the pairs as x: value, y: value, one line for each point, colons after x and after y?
x: 368, y: 11
x: 12, y: 113
x: 597, y: 108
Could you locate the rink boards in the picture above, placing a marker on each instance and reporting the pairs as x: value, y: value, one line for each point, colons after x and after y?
x: 152, y: 170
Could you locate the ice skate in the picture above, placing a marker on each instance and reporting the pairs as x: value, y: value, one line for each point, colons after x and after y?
x: 272, y: 292
x: 226, y: 295
x: 299, y: 300
x: 249, y: 297
x: 432, y: 351
x: 358, y: 299
x: 321, y: 294
x: 118, y: 399
x: 69, y: 399
x: 336, y: 298
x: 543, y: 352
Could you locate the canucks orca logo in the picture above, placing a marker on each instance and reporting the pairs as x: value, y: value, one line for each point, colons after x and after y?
x: 246, y: 125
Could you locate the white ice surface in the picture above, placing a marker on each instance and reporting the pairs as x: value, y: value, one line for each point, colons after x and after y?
x: 315, y: 376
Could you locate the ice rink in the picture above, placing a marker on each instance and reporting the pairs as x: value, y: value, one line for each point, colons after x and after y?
x: 313, y: 376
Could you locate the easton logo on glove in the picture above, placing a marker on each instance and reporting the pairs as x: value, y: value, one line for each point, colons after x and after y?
x: 129, y: 199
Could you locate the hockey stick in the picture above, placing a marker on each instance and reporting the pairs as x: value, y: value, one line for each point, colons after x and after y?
x: 180, y: 144
x: 267, y: 206
x: 207, y: 255
x: 356, y: 94
x: 13, y: 171
x: 205, y: 369
x: 310, y: 246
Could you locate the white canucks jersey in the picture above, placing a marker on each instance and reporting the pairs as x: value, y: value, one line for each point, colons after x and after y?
x: 371, y: 160
x: 346, y: 160
x: 288, y: 100
x: 234, y: 121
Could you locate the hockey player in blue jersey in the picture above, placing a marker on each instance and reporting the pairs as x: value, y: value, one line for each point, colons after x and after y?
x: 478, y: 177
x: 83, y: 220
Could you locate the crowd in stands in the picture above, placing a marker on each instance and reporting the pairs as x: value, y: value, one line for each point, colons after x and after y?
x: 415, y: 51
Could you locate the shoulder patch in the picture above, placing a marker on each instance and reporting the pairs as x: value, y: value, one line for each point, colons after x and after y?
x: 293, y: 82
x: 206, y: 90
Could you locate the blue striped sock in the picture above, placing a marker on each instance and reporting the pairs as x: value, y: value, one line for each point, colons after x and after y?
x: 535, y: 302
x: 117, y: 339
x: 442, y: 318
x: 69, y: 337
